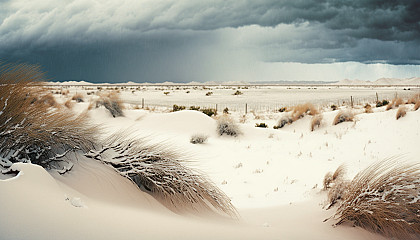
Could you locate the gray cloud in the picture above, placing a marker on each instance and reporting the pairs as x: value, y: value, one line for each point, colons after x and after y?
x: 192, y: 40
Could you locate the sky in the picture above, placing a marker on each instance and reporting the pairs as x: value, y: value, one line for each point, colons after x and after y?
x: 219, y: 40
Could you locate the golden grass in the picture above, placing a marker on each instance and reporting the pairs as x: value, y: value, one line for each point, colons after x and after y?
x: 69, y: 104
x: 402, y: 111
x: 343, y: 116
x: 417, y: 106
x: 78, y: 97
x: 316, y: 121
x: 368, y: 108
x: 396, y: 102
x: 301, y: 110
x: 112, y: 102
x: 30, y: 126
x: 384, y: 198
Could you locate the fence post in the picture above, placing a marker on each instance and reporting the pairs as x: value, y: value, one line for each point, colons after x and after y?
x: 246, y: 108
x: 351, y: 100
x: 142, y: 103
x: 377, y: 98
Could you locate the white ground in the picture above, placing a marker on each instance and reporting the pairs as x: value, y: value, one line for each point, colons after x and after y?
x: 274, y: 178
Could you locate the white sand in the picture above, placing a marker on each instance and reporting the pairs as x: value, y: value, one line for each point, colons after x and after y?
x: 274, y: 178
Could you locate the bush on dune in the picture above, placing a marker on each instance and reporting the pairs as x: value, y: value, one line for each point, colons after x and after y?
x: 111, y: 101
x: 316, y: 121
x: 198, y: 139
x: 32, y: 131
x: 343, y: 116
x: 402, y: 111
x: 301, y: 110
x: 384, y: 198
x: 163, y: 174
x: 283, y: 122
x: 227, y: 126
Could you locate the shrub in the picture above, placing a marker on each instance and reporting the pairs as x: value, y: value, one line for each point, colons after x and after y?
x: 161, y: 172
x: 316, y: 121
x: 176, y: 108
x: 209, y: 111
x: 31, y: 131
x: 68, y: 104
x: 112, y: 103
x: 195, y: 108
x: 47, y: 99
x: 334, y: 107
x: 402, y: 111
x: 198, y: 139
x: 261, y: 125
x: 283, y: 109
x: 226, y: 110
x: 283, y: 121
x: 383, y: 103
x: 237, y: 93
x: 331, y: 178
x: 396, y: 102
x: 384, y: 199
x: 78, y: 98
x: 227, y: 126
x: 301, y: 110
x: 209, y: 93
x: 343, y: 116
x: 417, y: 106
x: 166, y: 93
x: 368, y: 108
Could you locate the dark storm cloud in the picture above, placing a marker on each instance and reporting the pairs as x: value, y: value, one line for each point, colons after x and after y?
x: 187, y: 39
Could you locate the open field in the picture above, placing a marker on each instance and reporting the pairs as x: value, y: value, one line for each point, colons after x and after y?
x: 274, y: 178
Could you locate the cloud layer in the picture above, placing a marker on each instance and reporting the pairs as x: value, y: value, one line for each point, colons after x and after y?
x: 186, y: 39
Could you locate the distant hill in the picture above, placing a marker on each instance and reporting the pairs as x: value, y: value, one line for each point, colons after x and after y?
x: 381, y: 81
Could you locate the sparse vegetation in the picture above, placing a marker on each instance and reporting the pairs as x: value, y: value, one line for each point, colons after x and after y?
x: 283, y: 121
x: 226, y: 110
x: 283, y: 109
x: 237, y: 93
x: 417, y: 106
x: 176, y: 108
x: 209, y: 111
x: 166, y: 93
x: 195, y: 108
x: 401, y: 112
x: 382, y: 103
x: 111, y: 101
x: 301, y: 110
x: 316, y: 121
x: 334, y: 107
x: 368, y: 108
x: 261, y: 125
x: 198, y: 139
x: 227, y: 126
x: 209, y: 93
x: 343, y: 116
x: 78, y: 98
x: 384, y: 198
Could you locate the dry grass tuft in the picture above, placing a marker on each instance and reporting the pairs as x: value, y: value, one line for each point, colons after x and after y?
x: 396, y: 102
x: 68, y: 104
x: 162, y: 173
x: 343, y: 116
x: 402, y: 111
x: 316, y: 121
x: 78, y: 97
x: 112, y: 102
x: 414, y: 99
x: 384, y: 198
x: 301, y: 110
x: 227, y: 126
x: 30, y: 129
x: 417, y: 106
x: 331, y: 178
x: 368, y: 108
x: 283, y: 122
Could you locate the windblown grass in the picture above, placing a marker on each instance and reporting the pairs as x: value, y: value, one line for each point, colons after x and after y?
x: 384, y: 198
x: 316, y: 121
x: 343, y: 116
x: 112, y: 102
x: 162, y: 172
x: 301, y: 110
x: 30, y: 130
x: 402, y: 111
x: 396, y: 102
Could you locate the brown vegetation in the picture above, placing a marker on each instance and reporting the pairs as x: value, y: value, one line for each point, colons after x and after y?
x: 402, y: 111
x: 343, y: 116
x: 368, y: 108
x: 112, y: 102
x: 396, y: 102
x: 30, y: 129
x: 384, y: 198
x: 301, y: 110
x: 316, y: 121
